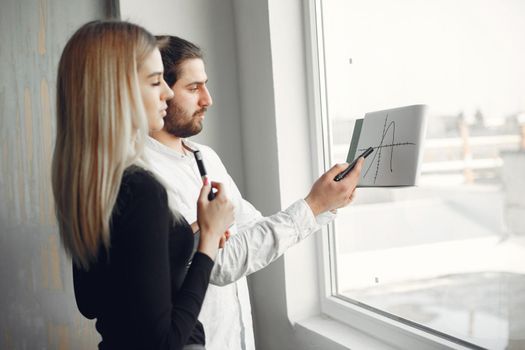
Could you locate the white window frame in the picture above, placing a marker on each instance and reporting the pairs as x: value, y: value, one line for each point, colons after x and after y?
x: 404, y: 335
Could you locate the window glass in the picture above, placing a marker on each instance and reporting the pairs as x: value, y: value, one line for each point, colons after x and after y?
x: 449, y: 254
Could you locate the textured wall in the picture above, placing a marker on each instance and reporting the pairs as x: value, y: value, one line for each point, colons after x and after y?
x: 37, y: 306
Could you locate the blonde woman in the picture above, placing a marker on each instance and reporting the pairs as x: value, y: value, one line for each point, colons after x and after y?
x: 130, y: 253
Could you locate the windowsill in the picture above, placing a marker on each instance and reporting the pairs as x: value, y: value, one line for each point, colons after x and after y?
x: 323, y: 329
x: 392, y: 333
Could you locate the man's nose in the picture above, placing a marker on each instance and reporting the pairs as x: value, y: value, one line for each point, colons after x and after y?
x: 206, y: 100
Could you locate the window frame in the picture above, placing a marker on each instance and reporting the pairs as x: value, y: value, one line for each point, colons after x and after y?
x: 388, y: 328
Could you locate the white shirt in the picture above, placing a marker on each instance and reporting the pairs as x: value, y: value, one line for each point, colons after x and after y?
x: 255, y: 241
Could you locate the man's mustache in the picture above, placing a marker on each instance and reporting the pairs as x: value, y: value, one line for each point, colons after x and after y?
x: 200, y: 111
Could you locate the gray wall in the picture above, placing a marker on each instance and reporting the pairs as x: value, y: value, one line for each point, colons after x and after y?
x: 37, y: 305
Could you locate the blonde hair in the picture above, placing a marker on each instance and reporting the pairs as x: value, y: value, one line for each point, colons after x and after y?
x: 101, y: 128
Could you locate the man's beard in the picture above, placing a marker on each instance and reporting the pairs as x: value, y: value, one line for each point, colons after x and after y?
x: 178, y: 122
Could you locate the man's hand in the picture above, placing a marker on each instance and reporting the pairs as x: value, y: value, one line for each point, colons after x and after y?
x: 327, y: 194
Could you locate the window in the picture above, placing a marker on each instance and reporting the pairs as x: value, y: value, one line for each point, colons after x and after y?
x: 447, y: 257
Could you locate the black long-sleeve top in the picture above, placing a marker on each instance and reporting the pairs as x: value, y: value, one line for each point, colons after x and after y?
x: 141, y: 291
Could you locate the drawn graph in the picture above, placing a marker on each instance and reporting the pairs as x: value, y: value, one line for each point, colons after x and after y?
x: 381, y: 146
x: 396, y: 135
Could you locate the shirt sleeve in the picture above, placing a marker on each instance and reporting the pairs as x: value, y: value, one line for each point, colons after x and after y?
x: 261, y: 240
x: 162, y: 317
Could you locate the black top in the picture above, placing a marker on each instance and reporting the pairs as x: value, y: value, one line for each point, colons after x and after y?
x: 142, y: 293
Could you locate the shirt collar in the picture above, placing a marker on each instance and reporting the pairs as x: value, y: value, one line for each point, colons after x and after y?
x: 161, y: 148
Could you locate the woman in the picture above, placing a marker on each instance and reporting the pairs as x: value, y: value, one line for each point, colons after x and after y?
x: 130, y: 253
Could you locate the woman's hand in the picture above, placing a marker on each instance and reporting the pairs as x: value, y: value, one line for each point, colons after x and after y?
x: 225, y: 236
x: 214, y: 218
x: 327, y: 194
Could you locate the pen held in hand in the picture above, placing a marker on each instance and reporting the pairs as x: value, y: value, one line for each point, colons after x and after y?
x: 345, y: 172
x: 202, y: 171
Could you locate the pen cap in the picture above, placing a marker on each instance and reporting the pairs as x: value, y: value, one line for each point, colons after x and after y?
x: 200, y: 163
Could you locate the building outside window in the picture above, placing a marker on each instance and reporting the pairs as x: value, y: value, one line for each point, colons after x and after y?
x: 448, y: 256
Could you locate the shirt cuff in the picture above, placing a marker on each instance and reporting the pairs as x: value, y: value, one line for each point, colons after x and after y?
x: 326, y: 217
x: 304, y: 209
x: 303, y: 218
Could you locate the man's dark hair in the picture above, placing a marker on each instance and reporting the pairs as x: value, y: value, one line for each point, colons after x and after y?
x: 174, y: 51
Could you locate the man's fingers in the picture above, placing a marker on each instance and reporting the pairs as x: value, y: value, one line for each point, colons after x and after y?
x: 336, y: 169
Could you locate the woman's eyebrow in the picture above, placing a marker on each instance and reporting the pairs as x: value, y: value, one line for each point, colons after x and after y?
x: 155, y: 73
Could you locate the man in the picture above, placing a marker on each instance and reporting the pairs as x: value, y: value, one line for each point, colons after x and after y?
x: 255, y: 240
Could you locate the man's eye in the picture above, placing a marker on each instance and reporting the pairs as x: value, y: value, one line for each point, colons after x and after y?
x: 156, y: 83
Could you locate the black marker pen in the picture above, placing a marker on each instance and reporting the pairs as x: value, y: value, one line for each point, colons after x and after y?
x: 202, y: 171
x: 345, y: 172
